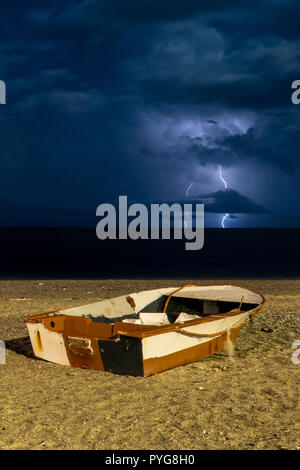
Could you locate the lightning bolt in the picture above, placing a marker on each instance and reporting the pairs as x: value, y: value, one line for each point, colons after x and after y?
x: 221, y: 177
x: 225, y: 186
x: 223, y: 220
x: 187, y: 191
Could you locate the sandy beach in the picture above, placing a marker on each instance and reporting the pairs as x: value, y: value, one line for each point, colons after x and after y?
x: 250, y: 402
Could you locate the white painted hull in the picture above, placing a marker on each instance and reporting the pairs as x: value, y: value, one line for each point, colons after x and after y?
x: 143, y: 343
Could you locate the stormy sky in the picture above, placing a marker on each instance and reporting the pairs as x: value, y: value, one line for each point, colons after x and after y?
x: 112, y: 97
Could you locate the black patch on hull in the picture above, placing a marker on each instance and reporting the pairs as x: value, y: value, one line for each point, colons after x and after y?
x: 124, y: 357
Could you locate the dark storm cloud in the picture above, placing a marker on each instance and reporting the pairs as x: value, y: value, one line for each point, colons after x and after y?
x: 91, y: 84
x: 277, y: 143
x: 156, y: 10
x: 192, y: 63
x: 230, y: 201
x: 273, y: 140
x: 274, y: 18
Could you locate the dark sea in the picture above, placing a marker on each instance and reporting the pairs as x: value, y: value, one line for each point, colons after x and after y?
x: 77, y: 253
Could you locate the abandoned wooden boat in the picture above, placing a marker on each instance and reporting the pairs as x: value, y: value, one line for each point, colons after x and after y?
x: 144, y: 333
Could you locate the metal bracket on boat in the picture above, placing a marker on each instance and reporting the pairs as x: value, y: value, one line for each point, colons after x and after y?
x: 80, y: 346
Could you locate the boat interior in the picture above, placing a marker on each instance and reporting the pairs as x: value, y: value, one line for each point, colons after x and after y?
x: 179, y: 309
x: 193, y: 306
x: 165, y: 306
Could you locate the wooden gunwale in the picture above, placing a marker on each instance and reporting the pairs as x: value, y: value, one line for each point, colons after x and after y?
x: 86, y: 327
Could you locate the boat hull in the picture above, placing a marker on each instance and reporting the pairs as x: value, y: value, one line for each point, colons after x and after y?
x: 127, y: 357
x: 130, y: 349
